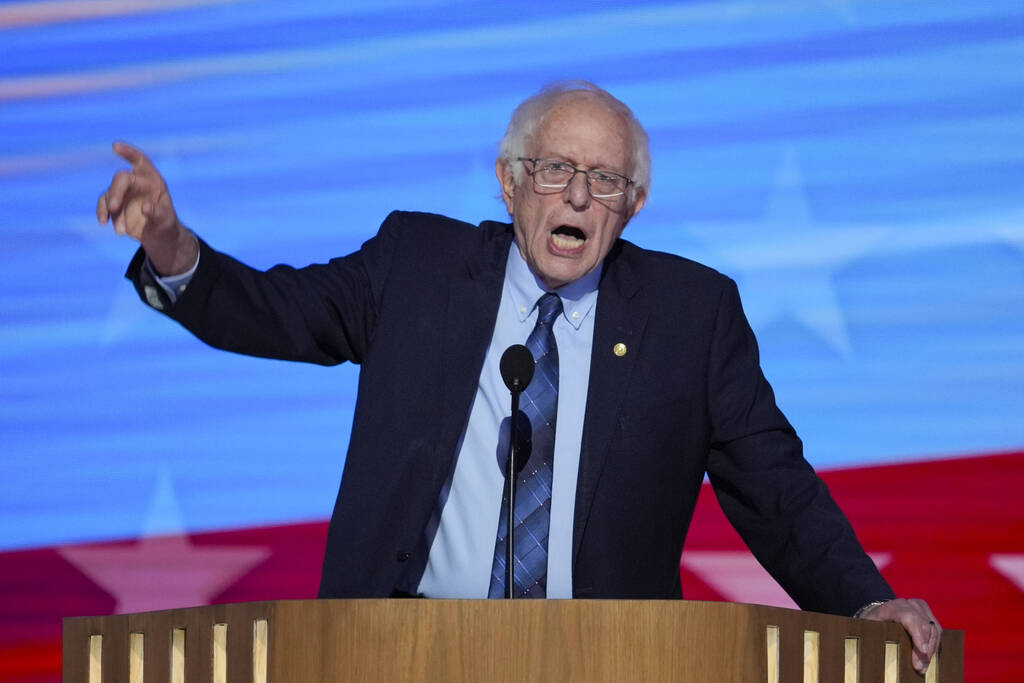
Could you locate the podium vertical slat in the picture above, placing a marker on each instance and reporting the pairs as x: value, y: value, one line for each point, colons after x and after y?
x: 812, y: 651
x: 260, y: 636
x: 177, y: 655
x: 136, y: 657
x: 95, y: 658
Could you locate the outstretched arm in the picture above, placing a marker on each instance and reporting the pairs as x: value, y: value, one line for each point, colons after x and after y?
x: 139, y: 205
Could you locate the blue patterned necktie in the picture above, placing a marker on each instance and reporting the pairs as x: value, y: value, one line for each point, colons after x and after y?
x: 539, y: 403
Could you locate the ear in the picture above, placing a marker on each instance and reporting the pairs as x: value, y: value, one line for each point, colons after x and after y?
x: 638, y: 203
x: 503, y: 169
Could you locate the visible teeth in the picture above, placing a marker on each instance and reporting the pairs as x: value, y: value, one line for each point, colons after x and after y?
x: 563, y: 241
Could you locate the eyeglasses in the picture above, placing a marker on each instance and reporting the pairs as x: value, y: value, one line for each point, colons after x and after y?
x: 552, y: 174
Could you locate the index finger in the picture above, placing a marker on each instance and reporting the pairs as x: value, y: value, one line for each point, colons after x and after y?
x: 132, y: 155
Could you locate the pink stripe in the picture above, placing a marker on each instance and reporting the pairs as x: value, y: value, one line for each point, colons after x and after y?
x: 38, y: 13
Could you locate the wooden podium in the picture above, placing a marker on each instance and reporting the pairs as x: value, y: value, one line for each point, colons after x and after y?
x: 491, y: 640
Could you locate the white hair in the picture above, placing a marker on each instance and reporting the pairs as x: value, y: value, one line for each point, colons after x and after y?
x: 530, y: 114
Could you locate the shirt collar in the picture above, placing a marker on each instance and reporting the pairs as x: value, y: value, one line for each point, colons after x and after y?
x: 578, y: 298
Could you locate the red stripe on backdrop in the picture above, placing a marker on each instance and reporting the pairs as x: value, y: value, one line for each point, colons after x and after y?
x: 951, y: 531
x: 40, y: 587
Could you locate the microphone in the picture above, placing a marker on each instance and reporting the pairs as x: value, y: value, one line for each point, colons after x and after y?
x: 517, y: 366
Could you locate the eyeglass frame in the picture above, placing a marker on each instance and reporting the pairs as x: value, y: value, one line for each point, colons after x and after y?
x: 586, y: 175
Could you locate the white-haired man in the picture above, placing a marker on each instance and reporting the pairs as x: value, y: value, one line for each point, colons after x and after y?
x: 650, y: 379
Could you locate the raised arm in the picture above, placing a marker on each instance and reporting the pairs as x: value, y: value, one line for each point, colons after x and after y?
x: 139, y: 205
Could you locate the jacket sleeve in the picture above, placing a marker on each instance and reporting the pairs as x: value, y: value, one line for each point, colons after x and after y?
x: 769, y: 492
x: 323, y: 313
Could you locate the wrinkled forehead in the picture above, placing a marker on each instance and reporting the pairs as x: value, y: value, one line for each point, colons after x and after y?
x: 582, y: 128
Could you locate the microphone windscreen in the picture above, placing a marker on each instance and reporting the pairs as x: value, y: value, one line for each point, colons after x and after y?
x: 517, y: 367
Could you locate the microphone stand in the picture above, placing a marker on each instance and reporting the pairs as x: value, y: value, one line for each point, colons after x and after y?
x: 517, y: 366
x: 510, y: 489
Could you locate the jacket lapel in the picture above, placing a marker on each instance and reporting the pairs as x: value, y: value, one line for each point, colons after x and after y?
x: 618, y: 322
x: 474, y: 293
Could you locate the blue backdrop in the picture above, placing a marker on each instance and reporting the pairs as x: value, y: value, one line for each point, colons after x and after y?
x: 856, y: 165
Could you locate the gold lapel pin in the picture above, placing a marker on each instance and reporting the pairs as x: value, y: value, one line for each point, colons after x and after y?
x: 619, y: 349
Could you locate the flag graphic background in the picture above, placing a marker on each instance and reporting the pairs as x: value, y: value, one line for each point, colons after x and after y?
x: 856, y: 165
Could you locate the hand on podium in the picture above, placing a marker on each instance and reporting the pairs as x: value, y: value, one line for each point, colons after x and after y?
x: 916, y: 616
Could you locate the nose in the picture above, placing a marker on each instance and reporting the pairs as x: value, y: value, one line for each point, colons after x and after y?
x: 577, y: 194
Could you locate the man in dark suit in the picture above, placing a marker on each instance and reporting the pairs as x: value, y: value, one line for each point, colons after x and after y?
x: 652, y: 375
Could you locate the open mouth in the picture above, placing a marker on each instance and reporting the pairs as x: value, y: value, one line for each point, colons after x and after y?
x: 568, y: 238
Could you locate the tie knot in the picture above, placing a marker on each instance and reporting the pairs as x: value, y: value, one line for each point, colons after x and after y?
x: 548, y: 308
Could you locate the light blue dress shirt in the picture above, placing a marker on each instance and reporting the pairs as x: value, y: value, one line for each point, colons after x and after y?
x: 462, y: 548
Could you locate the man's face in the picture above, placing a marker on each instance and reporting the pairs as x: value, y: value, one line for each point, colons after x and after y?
x: 564, y: 235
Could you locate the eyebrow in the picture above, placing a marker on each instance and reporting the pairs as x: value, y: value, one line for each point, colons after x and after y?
x: 599, y: 167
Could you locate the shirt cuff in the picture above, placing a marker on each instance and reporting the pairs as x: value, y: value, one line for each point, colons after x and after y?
x: 173, y: 285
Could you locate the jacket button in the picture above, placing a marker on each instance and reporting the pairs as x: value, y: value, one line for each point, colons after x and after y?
x: 402, y: 556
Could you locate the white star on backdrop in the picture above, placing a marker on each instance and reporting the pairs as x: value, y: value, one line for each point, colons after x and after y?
x: 1013, y: 231
x: 739, y: 577
x: 163, y: 570
x: 785, y: 262
x: 1009, y: 565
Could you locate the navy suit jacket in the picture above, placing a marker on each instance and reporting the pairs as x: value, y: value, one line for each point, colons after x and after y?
x: 416, y: 307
